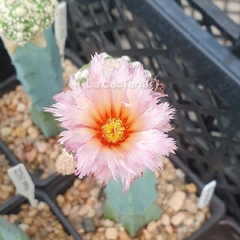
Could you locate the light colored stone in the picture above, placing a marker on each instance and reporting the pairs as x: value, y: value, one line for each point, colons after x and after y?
x: 165, y: 219
x: 191, y: 188
x: 42, y: 146
x: 189, y: 220
x: 123, y: 236
x: 147, y: 234
x: 27, y: 123
x: 169, y: 189
x: 180, y: 174
x: 21, y: 107
x: 152, y: 226
x: 169, y: 229
x: 83, y: 210
x: 33, y: 131
x: 191, y: 206
x: 20, y: 132
x: 31, y: 155
x: 23, y: 226
x: 177, y: 200
x: 159, y: 237
x: 108, y: 223
x: 200, y: 217
x: 66, y: 209
x: 5, y: 131
x: 178, y: 218
x: 111, y: 233
x: 169, y: 175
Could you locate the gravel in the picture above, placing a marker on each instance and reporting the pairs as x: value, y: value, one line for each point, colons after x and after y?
x: 7, y: 187
x: 83, y: 203
x: 38, y: 222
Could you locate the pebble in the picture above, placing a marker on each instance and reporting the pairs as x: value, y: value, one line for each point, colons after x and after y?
x: 33, y: 132
x: 41, y: 146
x: 27, y: 123
x: 147, y: 234
x: 178, y: 218
x: 191, y: 188
x: 177, y: 200
x: 5, y: 131
x: 188, y: 221
x: 165, y: 219
x: 200, y: 217
x: 21, y: 107
x: 191, y: 206
x: 66, y: 209
x: 180, y: 174
x: 20, y: 132
x: 111, y: 233
x: 123, y: 236
x: 169, y: 229
x: 31, y: 155
x: 152, y: 226
x: 23, y: 226
x: 88, y: 225
x: 108, y: 223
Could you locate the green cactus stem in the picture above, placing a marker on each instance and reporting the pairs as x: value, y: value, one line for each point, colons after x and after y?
x: 40, y: 73
x: 135, y: 208
x: 9, y: 231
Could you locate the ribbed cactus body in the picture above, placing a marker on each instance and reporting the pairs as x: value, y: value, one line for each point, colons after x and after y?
x: 39, y: 70
x: 9, y: 231
x: 135, y: 208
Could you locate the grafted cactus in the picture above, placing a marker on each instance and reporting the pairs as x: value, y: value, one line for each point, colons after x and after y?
x: 9, y: 231
x: 135, y: 208
x: 34, y: 53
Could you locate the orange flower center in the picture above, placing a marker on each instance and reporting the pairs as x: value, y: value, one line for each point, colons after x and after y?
x: 113, y: 130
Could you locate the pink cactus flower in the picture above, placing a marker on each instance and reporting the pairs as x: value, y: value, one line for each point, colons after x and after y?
x: 113, y: 126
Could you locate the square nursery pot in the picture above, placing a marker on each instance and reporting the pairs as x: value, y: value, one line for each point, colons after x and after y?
x: 13, y: 207
x: 226, y: 229
x: 217, y: 207
x: 10, y: 84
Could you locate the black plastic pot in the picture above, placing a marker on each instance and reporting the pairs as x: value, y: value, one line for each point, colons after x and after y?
x: 217, y: 207
x: 13, y: 206
x: 10, y: 84
x: 226, y: 229
x: 7, y: 68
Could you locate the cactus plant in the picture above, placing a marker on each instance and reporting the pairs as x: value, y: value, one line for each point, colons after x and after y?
x: 9, y: 231
x: 28, y: 37
x: 135, y: 208
x: 115, y: 131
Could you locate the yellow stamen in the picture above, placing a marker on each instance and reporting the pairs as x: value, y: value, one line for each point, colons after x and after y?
x: 113, y: 130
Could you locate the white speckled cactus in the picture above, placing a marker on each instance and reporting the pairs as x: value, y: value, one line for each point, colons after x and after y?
x: 20, y: 20
x: 25, y: 26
